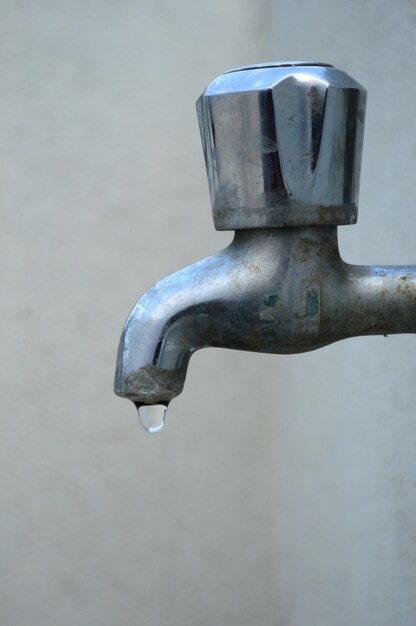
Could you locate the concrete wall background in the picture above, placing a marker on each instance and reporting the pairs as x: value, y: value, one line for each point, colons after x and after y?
x: 283, y: 489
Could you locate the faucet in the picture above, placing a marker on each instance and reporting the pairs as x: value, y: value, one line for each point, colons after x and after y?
x: 282, y: 145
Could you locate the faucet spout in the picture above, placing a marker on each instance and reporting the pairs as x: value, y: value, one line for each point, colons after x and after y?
x: 168, y: 324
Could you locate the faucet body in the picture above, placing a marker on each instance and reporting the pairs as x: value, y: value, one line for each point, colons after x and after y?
x: 276, y: 290
x: 281, y: 286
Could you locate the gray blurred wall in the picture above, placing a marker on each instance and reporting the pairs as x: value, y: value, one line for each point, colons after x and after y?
x: 283, y: 490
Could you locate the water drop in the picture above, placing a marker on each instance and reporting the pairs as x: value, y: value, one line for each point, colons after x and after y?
x: 152, y: 417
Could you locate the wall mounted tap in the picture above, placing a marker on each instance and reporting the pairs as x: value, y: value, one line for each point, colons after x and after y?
x: 282, y: 145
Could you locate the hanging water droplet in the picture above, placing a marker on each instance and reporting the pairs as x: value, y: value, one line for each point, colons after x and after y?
x: 152, y: 417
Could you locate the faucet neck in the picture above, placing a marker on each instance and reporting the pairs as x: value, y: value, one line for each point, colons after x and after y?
x: 299, y: 243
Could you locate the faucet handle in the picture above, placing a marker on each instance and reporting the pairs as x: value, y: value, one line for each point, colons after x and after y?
x: 282, y: 145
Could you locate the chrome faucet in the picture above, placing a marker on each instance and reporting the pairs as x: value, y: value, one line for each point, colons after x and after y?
x: 282, y: 145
